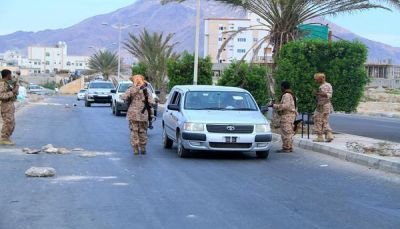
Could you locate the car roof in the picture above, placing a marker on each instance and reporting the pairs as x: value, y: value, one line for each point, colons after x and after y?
x: 186, y: 88
x: 100, y: 81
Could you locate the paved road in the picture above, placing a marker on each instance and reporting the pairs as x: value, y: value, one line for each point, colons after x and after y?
x: 160, y: 190
x: 373, y: 127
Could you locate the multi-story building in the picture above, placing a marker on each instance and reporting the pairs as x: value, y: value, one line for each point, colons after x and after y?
x: 384, y: 74
x: 50, y: 59
x: 243, y: 44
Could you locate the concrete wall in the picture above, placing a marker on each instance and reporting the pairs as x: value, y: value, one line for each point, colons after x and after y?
x: 73, y: 87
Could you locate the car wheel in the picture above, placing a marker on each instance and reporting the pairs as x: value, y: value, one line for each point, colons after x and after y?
x: 182, y: 152
x: 262, y: 154
x: 117, y: 112
x: 113, y: 109
x: 87, y: 104
x: 167, y: 142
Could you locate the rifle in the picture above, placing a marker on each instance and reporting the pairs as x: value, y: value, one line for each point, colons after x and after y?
x: 147, y: 107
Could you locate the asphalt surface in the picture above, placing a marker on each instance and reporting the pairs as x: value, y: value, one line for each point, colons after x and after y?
x: 374, y: 127
x: 116, y: 189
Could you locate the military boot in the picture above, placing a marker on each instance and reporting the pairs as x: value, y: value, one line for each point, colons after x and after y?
x: 7, y: 142
x: 143, y: 150
x: 320, y: 138
x: 136, y: 150
x: 329, y: 137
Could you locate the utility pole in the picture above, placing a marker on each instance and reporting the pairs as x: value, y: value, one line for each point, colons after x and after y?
x: 197, y: 41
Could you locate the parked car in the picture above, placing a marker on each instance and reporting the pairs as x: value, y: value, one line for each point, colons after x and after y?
x: 214, y: 118
x: 35, y: 89
x: 81, y: 95
x: 98, y: 92
x: 118, y: 105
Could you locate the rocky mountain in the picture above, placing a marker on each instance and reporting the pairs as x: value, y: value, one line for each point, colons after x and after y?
x: 171, y: 18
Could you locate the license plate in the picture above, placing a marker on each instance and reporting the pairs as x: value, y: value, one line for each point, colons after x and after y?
x: 231, y: 139
x: 103, y: 95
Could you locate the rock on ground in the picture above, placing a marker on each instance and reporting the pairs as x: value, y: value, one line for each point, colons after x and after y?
x: 31, y: 151
x: 63, y: 151
x: 88, y: 155
x: 40, y: 172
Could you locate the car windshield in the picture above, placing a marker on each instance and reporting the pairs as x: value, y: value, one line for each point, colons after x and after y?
x: 123, y: 87
x: 82, y: 91
x: 219, y: 100
x: 101, y: 85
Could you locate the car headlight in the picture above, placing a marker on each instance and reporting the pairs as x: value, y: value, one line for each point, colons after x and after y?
x: 190, y: 126
x: 262, y: 128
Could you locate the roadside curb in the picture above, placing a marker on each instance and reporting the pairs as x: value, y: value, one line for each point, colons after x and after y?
x: 372, y: 161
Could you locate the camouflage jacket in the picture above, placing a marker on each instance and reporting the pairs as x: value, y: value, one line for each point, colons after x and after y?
x: 286, y: 106
x: 6, y: 94
x: 327, y: 89
x: 135, y: 97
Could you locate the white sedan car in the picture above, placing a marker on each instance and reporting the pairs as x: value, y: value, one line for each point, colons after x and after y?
x: 215, y: 118
x: 81, y: 95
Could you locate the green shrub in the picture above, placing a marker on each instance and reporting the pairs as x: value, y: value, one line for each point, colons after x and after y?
x: 251, y: 78
x: 51, y: 85
x: 139, y: 69
x: 180, y: 71
x: 342, y: 62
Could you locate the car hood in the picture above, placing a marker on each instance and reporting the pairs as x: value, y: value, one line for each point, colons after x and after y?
x: 102, y: 91
x: 222, y: 117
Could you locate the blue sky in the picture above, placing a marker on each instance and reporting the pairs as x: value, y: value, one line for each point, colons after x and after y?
x: 34, y: 15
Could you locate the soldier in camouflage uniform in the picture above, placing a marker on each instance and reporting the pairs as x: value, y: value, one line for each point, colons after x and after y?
x: 138, y: 116
x: 8, y: 94
x: 324, y: 108
x: 287, y: 111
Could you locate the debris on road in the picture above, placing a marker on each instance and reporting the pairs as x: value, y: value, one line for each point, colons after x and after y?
x: 63, y: 151
x: 89, y: 154
x: 77, y: 149
x: 40, y: 172
x: 31, y: 151
x: 384, y: 149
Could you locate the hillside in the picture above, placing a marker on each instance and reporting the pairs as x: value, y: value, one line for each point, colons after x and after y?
x: 171, y: 18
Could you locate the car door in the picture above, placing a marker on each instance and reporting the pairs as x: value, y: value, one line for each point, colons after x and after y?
x: 169, y: 116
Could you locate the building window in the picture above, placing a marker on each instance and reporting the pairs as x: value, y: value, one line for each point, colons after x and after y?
x: 241, y: 51
x: 232, y: 27
x: 255, y: 39
x: 47, y: 62
x: 239, y: 28
x: 47, y: 54
x: 221, y: 28
x: 241, y: 39
x: 219, y: 38
x: 68, y: 63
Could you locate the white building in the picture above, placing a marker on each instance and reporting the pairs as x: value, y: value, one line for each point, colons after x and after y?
x: 218, y: 30
x: 51, y: 59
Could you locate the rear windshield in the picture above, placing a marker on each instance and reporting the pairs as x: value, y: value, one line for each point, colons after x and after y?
x: 34, y: 87
x: 219, y: 100
x: 81, y: 91
x: 101, y: 85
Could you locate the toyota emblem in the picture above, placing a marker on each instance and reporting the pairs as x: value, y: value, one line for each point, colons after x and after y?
x: 230, y: 128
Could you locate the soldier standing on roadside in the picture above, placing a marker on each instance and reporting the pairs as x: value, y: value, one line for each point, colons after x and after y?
x: 137, y: 96
x: 287, y: 111
x: 8, y: 94
x: 324, y: 108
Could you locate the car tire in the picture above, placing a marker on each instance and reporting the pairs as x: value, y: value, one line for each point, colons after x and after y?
x: 167, y: 142
x: 262, y: 154
x: 87, y: 104
x: 117, y: 112
x: 182, y: 152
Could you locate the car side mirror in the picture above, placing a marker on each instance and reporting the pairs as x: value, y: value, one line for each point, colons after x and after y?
x: 113, y: 91
x: 157, y: 92
x: 264, y: 109
x: 173, y: 107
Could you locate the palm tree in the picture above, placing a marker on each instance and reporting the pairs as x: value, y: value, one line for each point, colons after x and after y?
x: 153, y: 50
x: 104, y: 61
x: 283, y: 17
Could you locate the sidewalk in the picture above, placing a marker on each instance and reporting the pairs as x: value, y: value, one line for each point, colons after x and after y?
x: 369, y: 152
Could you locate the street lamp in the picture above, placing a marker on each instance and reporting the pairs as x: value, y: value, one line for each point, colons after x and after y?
x: 120, y: 27
x: 196, y: 49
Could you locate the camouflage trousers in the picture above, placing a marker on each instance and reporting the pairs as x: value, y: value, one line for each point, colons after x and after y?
x: 287, y: 132
x: 7, y: 114
x: 321, y: 119
x: 138, y: 133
